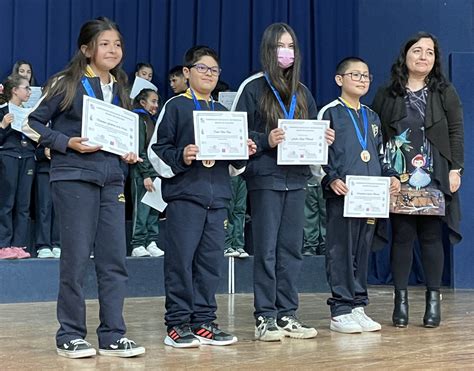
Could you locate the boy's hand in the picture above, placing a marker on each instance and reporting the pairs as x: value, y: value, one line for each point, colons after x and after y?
x: 275, y: 137
x: 7, y: 120
x: 395, y: 185
x: 131, y: 158
x: 252, y: 147
x: 189, y: 153
x: 330, y: 136
x: 148, y: 183
x: 75, y: 143
x: 454, y: 180
x: 339, y: 187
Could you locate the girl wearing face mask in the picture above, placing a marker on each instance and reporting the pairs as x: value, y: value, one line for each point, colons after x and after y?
x: 276, y: 192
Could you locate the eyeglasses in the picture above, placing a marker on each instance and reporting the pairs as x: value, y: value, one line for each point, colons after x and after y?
x: 25, y: 87
x: 202, y: 68
x: 357, y: 76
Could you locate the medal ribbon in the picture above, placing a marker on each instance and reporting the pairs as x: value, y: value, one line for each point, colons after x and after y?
x: 90, y: 92
x: 362, y: 141
x: 197, y: 105
x: 288, y: 114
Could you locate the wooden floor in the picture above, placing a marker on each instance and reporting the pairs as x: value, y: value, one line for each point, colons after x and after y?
x: 27, y: 338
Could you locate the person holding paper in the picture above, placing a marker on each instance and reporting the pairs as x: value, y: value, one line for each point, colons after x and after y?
x: 145, y: 228
x: 356, y: 151
x: 276, y: 192
x: 17, y: 172
x: 197, y: 193
x: 144, y: 70
x: 87, y: 190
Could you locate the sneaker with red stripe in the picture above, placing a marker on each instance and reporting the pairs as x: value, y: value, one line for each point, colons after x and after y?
x: 181, y: 337
x: 211, y: 334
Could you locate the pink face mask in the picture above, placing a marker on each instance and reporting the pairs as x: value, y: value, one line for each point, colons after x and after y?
x: 286, y: 57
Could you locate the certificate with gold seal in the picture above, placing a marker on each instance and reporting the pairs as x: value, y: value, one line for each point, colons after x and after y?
x: 221, y: 135
x: 304, y: 144
x: 368, y: 197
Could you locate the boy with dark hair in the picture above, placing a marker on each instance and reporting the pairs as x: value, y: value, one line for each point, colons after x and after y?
x: 178, y: 81
x: 357, y: 150
x: 197, y: 193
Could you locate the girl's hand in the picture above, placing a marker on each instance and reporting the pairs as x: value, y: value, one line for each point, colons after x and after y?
x: 47, y: 153
x: 339, y: 187
x: 330, y: 136
x: 252, y: 147
x: 148, y: 183
x: 131, y: 158
x: 7, y: 120
x: 75, y: 143
x: 189, y: 153
x: 275, y: 137
x: 454, y: 180
x: 395, y: 185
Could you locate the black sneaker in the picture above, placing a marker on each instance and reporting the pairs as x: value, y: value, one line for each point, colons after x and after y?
x: 181, y: 337
x: 77, y: 348
x: 267, y: 330
x: 122, y: 348
x: 211, y: 334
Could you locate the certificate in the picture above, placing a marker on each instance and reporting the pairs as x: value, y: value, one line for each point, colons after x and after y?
x: 19, y: 115
x: 155, y: 199
x: 305, y: 142
x: 368, y: 197
x: 139, y: 84
x: 226, y: 98
x: 221, y: 135
x: 107, y: 125
x: 34, y: 97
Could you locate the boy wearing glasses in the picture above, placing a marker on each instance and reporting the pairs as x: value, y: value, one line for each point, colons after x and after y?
x: 197, y: 193
x: 357, y: 150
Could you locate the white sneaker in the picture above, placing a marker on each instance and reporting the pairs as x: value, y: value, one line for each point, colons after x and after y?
x: 56, y: 252
x: 140, y: 252
x: 346, y: 324
x: 367, y: 323
x: 242, y: 253
x: 45, y: 253
x: 292, y: 327
x: 266, y: 329
x: 154, y: 250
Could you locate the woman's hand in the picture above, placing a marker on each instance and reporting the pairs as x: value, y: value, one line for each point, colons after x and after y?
x: 275, y: 137
x: 189, y: 153
x: 454, y: 180
x: 339, y: 187
x: 131, y: 158
x: 395, y: 185
x: 148, y: 183
x: 330, y: 136
x: 252, y: 147
x: 75, y: 143
x: 7, y: 120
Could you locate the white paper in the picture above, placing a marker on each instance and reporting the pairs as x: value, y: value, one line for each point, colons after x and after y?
x: 221, y: 135
x: 34, y: 97
x: 305, y: 142
x: 139, y: 84
x: 368, y: 197
x: 112, y: 127
x: 155, y: 199
x: 226, y: 98
x: 19, y: 115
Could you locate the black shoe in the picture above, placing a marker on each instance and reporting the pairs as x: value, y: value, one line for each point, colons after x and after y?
x: 211, y: 334
x: 77, y: 348
x: 400, y: 308
x: 181, y: 337
x: 432, y: 317
x: 122, y: 348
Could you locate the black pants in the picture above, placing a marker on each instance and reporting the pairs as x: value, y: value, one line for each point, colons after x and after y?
x: 348, y: 243
x: 47, y: 229
x: 429, y: 231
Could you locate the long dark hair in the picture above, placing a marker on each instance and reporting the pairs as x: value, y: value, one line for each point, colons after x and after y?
x: 285, y: 81
x: 16, y: 68
x: 12, y: 81
x: 399, y: 72
x: 66, y: 81
x: 143, y: 95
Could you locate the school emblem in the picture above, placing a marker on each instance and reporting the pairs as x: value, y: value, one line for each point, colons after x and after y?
x: 121, y: 197
x: 375, y: 130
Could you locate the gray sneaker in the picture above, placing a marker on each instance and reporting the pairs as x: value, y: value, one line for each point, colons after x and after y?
x: 290, y: 326
x: 267, y: 330
x: 45, y: 253
x: 242, y: 253
x: 231, y: 253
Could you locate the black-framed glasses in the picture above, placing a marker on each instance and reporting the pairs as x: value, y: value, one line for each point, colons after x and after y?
x: 357, y: 76
x: 202, y: 68
x: 28, y: 88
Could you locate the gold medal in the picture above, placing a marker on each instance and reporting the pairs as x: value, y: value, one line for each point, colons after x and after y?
x: 404, y: 177
x: 208, y: 163
x: 365, y: 155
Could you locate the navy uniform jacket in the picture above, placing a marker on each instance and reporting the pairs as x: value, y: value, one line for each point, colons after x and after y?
x: 67, y: 164
x: 10, y: 140
x: 143, y: 169
x: 208, y: 187
x: 344, y: 154
x: 262, y: 171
